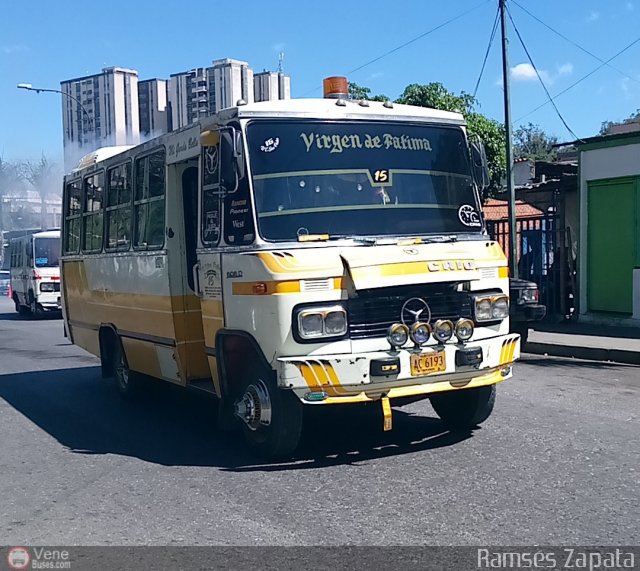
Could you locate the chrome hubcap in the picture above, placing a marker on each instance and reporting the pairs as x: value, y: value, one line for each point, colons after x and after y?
x: 254, y: 408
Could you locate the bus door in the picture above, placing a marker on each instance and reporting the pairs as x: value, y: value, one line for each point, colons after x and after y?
x: 208, y: 269
x: 186, y: 306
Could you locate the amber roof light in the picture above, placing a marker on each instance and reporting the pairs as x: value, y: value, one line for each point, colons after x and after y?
x: 336, y: 87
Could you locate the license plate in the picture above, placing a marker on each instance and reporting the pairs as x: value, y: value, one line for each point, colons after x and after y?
x: 425, y: 363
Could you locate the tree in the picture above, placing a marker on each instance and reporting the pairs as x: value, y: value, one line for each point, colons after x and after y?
x: 490, y: 132
x: 359, y: 92
x: 531, y: 142
x: 44, y: 178
x: 10, y: 178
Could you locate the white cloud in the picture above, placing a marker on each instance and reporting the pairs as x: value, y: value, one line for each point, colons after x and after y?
x: 565, y: 69
x: 375, y: 75
x: 526, y: 72
x: 593, y: 16
x: 630, y: 6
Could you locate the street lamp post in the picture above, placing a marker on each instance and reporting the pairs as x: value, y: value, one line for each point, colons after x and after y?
x: 30, y: 87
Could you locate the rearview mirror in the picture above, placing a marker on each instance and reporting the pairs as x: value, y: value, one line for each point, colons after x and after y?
x: 479, y: 164
x: 229, y: 160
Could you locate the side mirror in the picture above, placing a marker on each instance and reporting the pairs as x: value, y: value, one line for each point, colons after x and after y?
x: 229, y: 160
x: 479, y: 164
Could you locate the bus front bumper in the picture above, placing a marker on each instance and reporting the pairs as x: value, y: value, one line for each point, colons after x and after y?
x: 362, y: 377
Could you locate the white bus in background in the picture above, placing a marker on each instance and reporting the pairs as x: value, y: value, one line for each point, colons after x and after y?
x: 35, y: 272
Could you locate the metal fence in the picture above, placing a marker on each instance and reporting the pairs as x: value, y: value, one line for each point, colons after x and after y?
x: 543, y: 258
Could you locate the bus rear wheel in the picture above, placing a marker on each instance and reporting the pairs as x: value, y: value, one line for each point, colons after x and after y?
x: 271, y: 418
x: 465, y: 408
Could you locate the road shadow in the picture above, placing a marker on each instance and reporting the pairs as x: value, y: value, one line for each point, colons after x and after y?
x: 174, y: 427
x: 570, y: 362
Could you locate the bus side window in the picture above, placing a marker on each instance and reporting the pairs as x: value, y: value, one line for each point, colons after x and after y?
x: 238, y: 216
x: 92, y: 218
x: 118, y: 211
x: 210, y: 217
x: 72, y: 212
x: 148, y: 202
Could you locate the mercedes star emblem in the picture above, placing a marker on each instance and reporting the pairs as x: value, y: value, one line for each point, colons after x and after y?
x: 413, y: 310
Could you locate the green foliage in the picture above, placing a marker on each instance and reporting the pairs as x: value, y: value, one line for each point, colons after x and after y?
x: 490, y: 132
x: 358, y: 92
x: 606, y: 126
x: 531, y: 142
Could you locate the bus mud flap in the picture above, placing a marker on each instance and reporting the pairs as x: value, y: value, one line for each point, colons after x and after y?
x: 386, y: 412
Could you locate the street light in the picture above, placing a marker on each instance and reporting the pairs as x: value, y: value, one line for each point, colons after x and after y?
x: 30, y: 87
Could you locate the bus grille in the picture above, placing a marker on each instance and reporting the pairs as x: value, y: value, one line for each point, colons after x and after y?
x: 373, y: 311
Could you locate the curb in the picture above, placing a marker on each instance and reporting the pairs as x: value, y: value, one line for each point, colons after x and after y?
x: 588, y: 353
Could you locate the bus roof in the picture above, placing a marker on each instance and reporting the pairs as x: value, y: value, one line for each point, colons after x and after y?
x: 45, y: 234
x: 338, y: 109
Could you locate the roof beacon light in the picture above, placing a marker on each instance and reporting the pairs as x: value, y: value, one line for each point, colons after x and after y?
x: 336, y: 87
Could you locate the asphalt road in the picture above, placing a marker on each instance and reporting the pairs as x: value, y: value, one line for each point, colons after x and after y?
x: 557, y: 463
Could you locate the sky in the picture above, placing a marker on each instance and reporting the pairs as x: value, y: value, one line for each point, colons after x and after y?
x: 378, y: 44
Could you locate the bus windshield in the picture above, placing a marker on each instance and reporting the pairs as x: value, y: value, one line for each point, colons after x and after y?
x: 360, y: 178
x: 47, y: 252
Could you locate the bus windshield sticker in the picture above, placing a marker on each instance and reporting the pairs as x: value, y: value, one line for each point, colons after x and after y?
x: 270, y: 145
x: 468, y: 216
x: 42, y: 261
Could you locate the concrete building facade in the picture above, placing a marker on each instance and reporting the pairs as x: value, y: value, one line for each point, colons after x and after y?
x: 153, y: 107
x: 99, y: 110
x: 271, y: 85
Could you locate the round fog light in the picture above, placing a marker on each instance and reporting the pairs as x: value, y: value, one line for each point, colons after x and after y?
x: 398, y: 334
x: 464, y: 329
x: 443, y: 330
x: 420, y: 332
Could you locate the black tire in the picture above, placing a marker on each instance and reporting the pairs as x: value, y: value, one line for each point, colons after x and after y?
x: 21, y: 309
x: 128, y: 383
x: 280, y: 437
x: 465, y: 408
x: 34, y: 307
x: 522, y: 329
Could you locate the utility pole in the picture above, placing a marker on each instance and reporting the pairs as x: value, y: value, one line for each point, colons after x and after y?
x: 513, y: 236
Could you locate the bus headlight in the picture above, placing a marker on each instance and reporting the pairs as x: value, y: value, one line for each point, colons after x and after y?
x: 443, y: 330
x: 500, y: 307
x: 491, y: 307
x: 464, y: 329
x: 420, y: 333
x: 321, y: 322
x: 397, y: 335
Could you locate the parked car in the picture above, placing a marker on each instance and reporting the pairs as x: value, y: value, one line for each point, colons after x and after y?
x: 524, y: 307
x: 5, y: 281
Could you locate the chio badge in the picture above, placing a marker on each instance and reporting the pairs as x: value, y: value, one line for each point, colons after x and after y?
x: 468, y: 216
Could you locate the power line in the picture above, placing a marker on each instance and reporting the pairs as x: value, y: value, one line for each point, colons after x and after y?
x: 486, y: 55
x: 539, y: 76
x: 629, y: 46
x: 405, y: 44
x: 586, y: 51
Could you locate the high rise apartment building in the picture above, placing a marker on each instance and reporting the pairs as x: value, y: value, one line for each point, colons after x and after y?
x: 153, y: 107
x: 271, y: 85
x: 114, y: 108
x: 99, y: 110
x: 205, y: 90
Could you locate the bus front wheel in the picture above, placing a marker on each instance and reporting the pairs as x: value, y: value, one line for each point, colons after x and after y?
x: 465, y: 408
x: 271, y: 418
x: 127, y: 381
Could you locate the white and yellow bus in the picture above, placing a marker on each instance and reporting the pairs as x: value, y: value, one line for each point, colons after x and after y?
x: 290, y: 254
x: 35, y: 273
